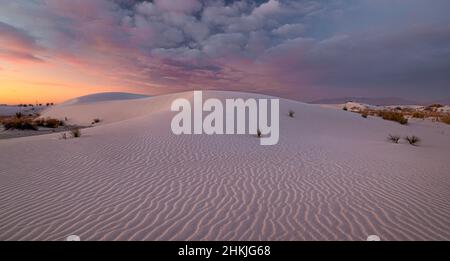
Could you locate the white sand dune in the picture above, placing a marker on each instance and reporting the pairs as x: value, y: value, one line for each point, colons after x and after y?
x: 332, y: 176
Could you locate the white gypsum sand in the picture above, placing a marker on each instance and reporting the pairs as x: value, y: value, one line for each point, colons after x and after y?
x: 332, y: 176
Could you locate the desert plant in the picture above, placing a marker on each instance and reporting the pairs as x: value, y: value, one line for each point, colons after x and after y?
x: 345, y: 108
x: 96, y: 120
x: 433, y: 107
x: 258, y: 133
x: 19, y: 124
x: 364, y: 114
x: 418, y: 115
x: 413, y: 140
x: 436, y: 105
x: 19, y: 115
x: 75, y: 133
x: 49, y: 123
x: 394, y: 138
x: 53, y: 123
x: 445, y: 119
x: 291, y: 114
x: 393, y: 116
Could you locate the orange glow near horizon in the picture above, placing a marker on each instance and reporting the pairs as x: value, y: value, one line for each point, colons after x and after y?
x: 31, y: 84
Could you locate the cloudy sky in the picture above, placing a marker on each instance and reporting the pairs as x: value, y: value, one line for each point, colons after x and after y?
x: 305, y: 50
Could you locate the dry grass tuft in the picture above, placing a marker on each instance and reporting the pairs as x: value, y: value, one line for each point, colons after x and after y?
x: 418, y: 115
x: 22, y: 123
x: 291, y: 114
x: 49, y: 123
x: 445, y: 119
x: 394, y: 138
x: 75, y: 133
x: 393, y: 116
x: 364, y: 114
x: 413, y: 140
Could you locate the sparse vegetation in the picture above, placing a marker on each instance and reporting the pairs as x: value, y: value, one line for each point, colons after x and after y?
x: 394, y: 138
x: 75, y: 133
x: 345, y: 108
x: 445, y: 119
x: 436, y: 105
x: 393, y: 116
x: 291, y: 114
x: 258, y: 133
x: 96, y: 120
x: 364, y: 114
x: 19, y: 115
x: 413, y: 140
x: 419, y: 115
x: 49, y: 123
x: 21, y: 123
x: 433, y: 107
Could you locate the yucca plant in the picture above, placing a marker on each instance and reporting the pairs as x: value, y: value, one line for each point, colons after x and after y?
x: 258, y: 133
x: 291, y: 114
x: 413, y: 140
x: 394, y: 138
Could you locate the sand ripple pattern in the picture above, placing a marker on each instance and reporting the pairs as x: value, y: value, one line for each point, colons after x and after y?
x: 152, y: 185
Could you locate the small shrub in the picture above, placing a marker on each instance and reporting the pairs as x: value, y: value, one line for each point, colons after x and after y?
x: 53, y: 123
x: 19, y: 115
x: 418, y: 115
x: 19, y: 124
x: 433, y: 107
x: 445, y: 119
x: 258, y: 133
x: 96, y: 121
x: 291, y: 114
x: 413, y: 140
x: 49, y: 123
x: 364, y: 114
x: 393, y: 116
x: 394, y: 138
x: 345, y: 108
x: 436, y: 105
x: 76, y: 133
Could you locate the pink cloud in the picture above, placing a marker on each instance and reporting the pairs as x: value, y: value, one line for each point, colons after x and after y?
x: 17, y: 45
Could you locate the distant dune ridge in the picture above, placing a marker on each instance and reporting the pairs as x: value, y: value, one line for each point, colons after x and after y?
x: 383, y: 101
x: 105, y: 96
x: 332, y: 176
x: 373, y: 101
